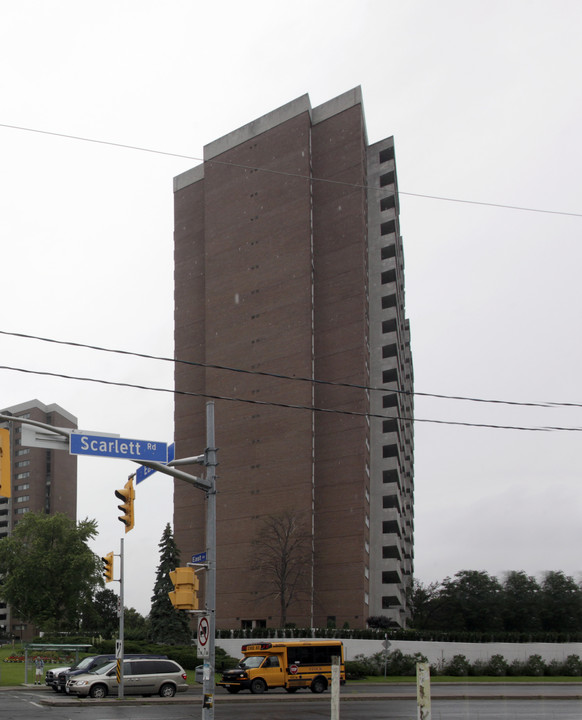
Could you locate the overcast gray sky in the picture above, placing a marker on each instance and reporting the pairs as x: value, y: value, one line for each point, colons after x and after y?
x: 484, y: 101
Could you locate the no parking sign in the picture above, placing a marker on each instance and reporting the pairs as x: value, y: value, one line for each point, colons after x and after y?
x: 203, y: 636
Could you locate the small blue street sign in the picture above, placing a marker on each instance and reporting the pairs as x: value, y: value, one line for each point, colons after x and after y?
x: 126, y: 448
x: 143, y: 472
x: 199, y: 558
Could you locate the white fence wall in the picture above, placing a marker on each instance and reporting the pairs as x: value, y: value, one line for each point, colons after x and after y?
x: 436, y: 652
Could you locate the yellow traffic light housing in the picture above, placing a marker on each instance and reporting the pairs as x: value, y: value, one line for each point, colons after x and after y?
x: 108, y: 567
x: 128, y: 496
x: 186, y: 584
x: 5, y: 478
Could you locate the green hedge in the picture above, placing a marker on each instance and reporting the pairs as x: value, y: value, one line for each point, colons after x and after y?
x: 412, y: 635
x: 397, y: 663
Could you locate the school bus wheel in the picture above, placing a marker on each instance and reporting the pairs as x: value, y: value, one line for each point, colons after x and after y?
x: 258, y: 686
x: 318, y: 685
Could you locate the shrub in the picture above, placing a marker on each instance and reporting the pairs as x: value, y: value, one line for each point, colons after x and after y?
x: 459, y: 666
x: 496, y: 666
x: 378, y: 622
x: 401, y: 664
x: 571, y: 667
x: 535, y: 666
x: 356, y: 669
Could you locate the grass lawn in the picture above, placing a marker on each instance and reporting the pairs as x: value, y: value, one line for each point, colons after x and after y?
x: 13, y: 673
x: 470, y: 679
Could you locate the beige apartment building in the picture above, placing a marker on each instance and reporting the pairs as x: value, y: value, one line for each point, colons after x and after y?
x: 43, y: 481
x: 289, y: 311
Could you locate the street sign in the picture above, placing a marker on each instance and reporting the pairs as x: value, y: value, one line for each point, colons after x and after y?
x: 143, y: 472
x: 203, y: 636
x: 199, y: 558
x: 31, y: 436
x: 126, y: 448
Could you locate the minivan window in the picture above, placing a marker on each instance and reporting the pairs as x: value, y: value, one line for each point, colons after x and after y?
x: 151, y: 667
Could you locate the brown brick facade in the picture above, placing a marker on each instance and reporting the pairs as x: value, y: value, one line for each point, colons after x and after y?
x: 271, y: 276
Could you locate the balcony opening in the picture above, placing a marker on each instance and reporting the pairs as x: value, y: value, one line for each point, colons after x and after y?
x: 387, y: 154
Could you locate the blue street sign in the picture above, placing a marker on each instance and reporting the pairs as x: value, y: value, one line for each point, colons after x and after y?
x: 143, y: 472
x: 106, y: 446
x: 199, y: 558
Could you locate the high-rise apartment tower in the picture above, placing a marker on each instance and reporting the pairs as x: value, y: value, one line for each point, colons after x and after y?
x: 289, y: 304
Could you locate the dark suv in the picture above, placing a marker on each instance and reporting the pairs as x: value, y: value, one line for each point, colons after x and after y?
x: 91, y: 663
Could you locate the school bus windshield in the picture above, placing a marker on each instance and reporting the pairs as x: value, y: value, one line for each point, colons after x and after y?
x: 253, y: 661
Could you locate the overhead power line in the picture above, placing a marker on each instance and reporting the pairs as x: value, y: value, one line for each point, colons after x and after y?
x: 280, y: 376
x: 138, y: 148
x: 290, y: 406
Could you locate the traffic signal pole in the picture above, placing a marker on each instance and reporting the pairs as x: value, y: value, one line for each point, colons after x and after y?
x: 208, y: 485
x: 210, y: 462
x: 119, y: 650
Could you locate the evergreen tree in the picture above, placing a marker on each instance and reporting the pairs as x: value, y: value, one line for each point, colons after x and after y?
x: 167, y: 625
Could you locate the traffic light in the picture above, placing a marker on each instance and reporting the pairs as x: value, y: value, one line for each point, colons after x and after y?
x: 5, y: 479
x: 128, y: 496
x: 108, y: 567
x: 185, y: 582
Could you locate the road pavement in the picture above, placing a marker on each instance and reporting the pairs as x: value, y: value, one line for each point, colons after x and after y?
x: 351, y: 692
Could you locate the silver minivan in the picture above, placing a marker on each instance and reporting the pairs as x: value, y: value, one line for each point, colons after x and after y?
x: 147, y: 676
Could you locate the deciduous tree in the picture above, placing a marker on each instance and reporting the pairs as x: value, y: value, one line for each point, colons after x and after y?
x: 47, y: 569
x: 282, y: 550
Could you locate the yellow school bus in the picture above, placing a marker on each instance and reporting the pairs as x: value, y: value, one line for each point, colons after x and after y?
x: 290, y: 665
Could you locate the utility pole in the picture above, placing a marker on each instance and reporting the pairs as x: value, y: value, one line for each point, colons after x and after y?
x: 210, y: 462
x: 208, y: 485
x: 119, y: 645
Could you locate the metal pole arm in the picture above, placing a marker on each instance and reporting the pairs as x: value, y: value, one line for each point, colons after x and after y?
x: 200, y: 483
x: 51, y: 428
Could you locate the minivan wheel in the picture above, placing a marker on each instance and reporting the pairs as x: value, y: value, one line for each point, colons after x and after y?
x: 98, y: 691
x: 258, y: 686
x: 319, y: 685
x: 167, y: 690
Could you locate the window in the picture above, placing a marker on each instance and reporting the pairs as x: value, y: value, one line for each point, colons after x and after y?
x: 390, y: 501
x: 390, y: 577
x: 388, y: 203
x: 387, y: 179
x: 387, y: 154
x: 22, y: 498
x: 316, y: 654
x: 391, y: 552
x: 21, y: 476
x: 388, y: 276
x: 389, y: 326
x: 152, y: 667
x: 391, y: 601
